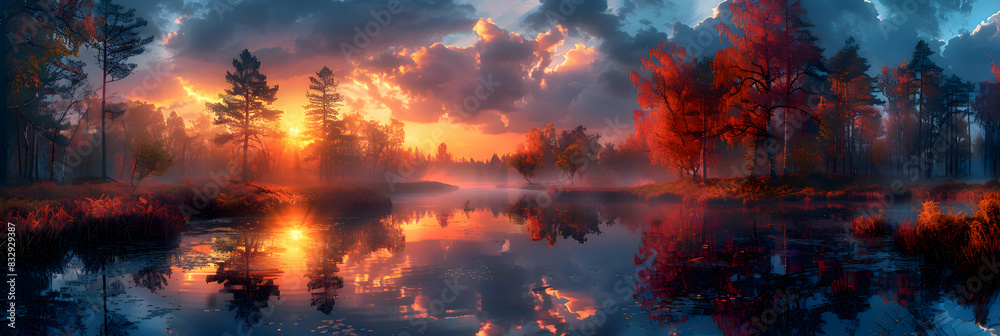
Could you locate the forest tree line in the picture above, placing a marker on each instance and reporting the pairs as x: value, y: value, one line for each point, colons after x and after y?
x: 769, y: 104
x: 773, y: 96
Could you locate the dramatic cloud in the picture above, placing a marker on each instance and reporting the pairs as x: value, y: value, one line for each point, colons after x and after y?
x: 968, y: 54
x: 494, y: 68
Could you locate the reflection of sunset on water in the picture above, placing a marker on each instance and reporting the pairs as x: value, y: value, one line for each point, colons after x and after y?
x: 517, y: 268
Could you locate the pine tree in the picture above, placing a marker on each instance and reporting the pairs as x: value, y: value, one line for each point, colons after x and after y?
x: 926, y: 76
x: 852, y: 105
x: 245, y: 109
x: 117, y: 40
x: 321, y: 118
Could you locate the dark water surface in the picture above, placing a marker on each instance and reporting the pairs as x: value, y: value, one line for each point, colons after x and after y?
x: 501, y: 262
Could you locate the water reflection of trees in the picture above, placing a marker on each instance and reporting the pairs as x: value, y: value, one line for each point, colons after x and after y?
x: 567, y: 219
x: 705, y: 262
x: 246, y: 275
x: 322, y: 270
x: 100, y: 270
x: 354, y: 237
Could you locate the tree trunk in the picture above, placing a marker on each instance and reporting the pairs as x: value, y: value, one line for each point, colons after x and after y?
x: 20, y: 151
x: 246, y: 141
x: 770, y: 152
x: 52, y: 158
x: 104, y: 98
x: 784, y: 148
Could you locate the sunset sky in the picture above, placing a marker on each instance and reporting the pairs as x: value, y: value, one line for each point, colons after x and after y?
x: 564, y: 61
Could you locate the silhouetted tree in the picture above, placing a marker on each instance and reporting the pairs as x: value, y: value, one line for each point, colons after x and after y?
x: 987, y: 106
x: 245, y: 109
x: 900, y: 105
x: 442, y: 154
x: 321, y: 118
x: 926, y: 75
x: 117, y: 40
x: 849, y: 107
x: 36, y: 33
x: 525, y: 163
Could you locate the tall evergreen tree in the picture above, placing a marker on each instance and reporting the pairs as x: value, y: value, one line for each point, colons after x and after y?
x: 926, y: 76
x: 951, y: 123
x: 895, y: 86
x: 321, y: 118
x: 245, y: 109
x: 117, y: 40
x: 852, y: 99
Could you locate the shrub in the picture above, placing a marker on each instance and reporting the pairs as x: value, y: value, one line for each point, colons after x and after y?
x: 875, y: 226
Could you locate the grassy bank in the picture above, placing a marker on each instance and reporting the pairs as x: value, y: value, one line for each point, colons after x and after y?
x: 788, y: 189
x: 739, y: 190
x: 942, y: 235
x: 48, y: 215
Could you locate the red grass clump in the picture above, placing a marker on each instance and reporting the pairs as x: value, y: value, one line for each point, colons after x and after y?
x: 954, y: 237
x: 48, y: 225
x: 875, y: 226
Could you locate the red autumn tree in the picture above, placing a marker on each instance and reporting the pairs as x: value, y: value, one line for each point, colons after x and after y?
x: 851, y: 122
x: 772, y: 62
x: 682, y: 102
x: 900, y: 105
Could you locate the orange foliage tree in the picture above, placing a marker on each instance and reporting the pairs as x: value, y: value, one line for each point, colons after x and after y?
x: 682, y: 100
x: 772, y: 62
x: 895, y: 85
x: 850, y: 112
x: 39, y: 36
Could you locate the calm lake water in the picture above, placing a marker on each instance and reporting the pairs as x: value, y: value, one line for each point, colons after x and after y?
x: 504, y: 262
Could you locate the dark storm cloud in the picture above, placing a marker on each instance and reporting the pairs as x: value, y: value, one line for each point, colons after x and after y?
x: 891, y: 40
x: 703, y: 40
x: 924, y: 16
x: 403, y: 67
x: 490, y: 76
x: 590, y: 17
x: 968, y: 55
x: 158, y: 13
x: 318, y: 27
x: 501, y: 79
x: 656, y: 6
